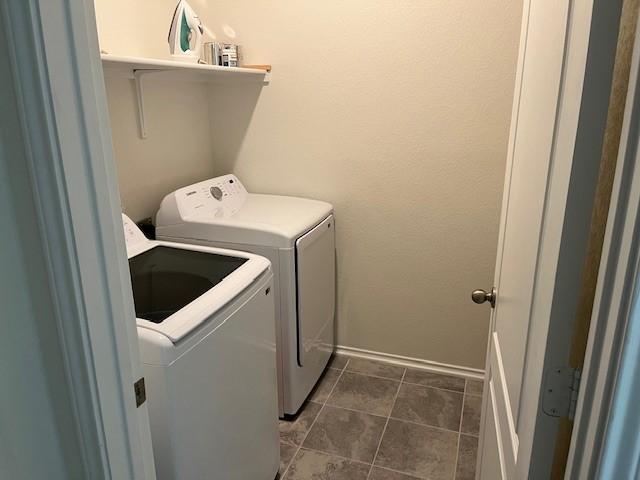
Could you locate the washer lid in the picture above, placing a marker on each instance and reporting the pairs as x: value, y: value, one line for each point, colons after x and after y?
x: 177, y: 287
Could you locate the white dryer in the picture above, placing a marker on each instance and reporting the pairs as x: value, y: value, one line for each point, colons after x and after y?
x: 205, y: 322
x: 298, y: 236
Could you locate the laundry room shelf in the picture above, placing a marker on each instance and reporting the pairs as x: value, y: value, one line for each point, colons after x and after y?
x: 137, y: 68
x: 128, y: 66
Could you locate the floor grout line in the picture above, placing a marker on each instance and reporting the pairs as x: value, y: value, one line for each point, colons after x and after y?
x: 403, y: 473
x: 353, y: 460
x: 375, y: 456
x: 455, y: 465
x: 437, y: 388
x: 333, y: 405
x: 435, y: 427
x: 315, y: 419
x: 469, y: 434
x: 401, y: 381
x: 466, y: 385
x: 463, y: 392
x: 395, y: 380
x: 328, y: 454
x: 376, y: 376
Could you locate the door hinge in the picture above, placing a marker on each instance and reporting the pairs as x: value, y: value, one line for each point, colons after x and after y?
x: 560, y: 396
x: 140, y: 391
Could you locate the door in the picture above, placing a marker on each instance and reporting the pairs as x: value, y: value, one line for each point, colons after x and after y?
x: 316, y: 298
x: 538, y: 82
x: 552, y: 83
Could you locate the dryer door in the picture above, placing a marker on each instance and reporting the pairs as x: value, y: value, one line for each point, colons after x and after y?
x: 316, y: 272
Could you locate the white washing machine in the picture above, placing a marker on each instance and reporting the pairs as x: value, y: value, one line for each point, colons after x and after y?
x: 206, y: 330
x: 298, y: 236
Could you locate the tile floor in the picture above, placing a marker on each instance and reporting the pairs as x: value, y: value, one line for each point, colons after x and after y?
x: 370, y: 420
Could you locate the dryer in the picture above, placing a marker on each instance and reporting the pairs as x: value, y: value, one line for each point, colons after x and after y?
x: 206, y: 331
x: 298, y: 236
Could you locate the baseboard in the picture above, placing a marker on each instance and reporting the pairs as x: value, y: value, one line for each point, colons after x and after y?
x: 417, y: 363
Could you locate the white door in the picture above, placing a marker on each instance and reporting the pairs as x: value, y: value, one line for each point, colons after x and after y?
x: 535, y: 105
x: 547, y: 100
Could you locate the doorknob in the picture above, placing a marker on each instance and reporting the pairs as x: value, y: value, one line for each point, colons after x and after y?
x: 481, y: 296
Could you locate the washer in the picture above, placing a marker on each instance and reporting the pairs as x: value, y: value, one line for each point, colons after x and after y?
x: 298, y: 236
x: 206, y: 330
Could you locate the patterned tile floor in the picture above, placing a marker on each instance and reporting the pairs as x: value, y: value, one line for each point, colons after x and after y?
x: 370, y: 420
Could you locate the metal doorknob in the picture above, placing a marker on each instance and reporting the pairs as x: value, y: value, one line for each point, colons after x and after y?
x: 481, y: 296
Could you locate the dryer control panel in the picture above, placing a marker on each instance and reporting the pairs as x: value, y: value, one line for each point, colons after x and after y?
x: 220, y: 196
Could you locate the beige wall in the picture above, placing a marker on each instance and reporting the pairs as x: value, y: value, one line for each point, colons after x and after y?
x: 135, y: 28
x: 397, y: 113
x: 177, y: 150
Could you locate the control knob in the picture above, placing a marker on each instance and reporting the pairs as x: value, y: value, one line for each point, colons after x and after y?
x: 216, y: 193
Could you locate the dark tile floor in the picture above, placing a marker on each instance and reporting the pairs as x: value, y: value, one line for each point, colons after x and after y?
x: 370, y: 420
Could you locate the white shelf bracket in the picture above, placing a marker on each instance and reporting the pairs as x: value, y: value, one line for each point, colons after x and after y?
x: 137, y: 78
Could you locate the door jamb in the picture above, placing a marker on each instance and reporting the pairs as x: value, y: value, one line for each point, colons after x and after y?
x: 613, y: 318
x: 62, y: 103
x: 582, y: 118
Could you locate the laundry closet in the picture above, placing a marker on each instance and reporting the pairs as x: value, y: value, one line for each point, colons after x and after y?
x: 398, y: 116
x: 381, y: 129
x: 362, y: 240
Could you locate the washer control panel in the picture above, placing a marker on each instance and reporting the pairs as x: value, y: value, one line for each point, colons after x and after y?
x: 133, y: 236
x: 220, y: 196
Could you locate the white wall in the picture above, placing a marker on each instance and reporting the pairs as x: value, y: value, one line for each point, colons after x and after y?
x: 397, y: 113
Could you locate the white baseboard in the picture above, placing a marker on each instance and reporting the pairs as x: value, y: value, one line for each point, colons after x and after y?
x: 417, y: 363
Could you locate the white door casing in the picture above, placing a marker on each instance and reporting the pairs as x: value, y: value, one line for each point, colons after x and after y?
x: 550, y: 97
x: 598, y: 413
x: 61, y: 101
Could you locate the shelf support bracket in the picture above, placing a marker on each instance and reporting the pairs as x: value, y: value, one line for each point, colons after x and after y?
x: 137, y: 78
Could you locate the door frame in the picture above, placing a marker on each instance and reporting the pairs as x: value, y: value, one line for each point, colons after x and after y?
x: 582, y: 119
x: 73, y: 176
x: 61, y: 100
x: 605, y: 436
x: 583, y: 100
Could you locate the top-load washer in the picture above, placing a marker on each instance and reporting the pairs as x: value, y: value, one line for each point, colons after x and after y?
x: 206, y: 323
x: 298, y: 236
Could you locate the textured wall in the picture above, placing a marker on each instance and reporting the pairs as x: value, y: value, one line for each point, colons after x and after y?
x: 398, y: 114
x: 177, y: 150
